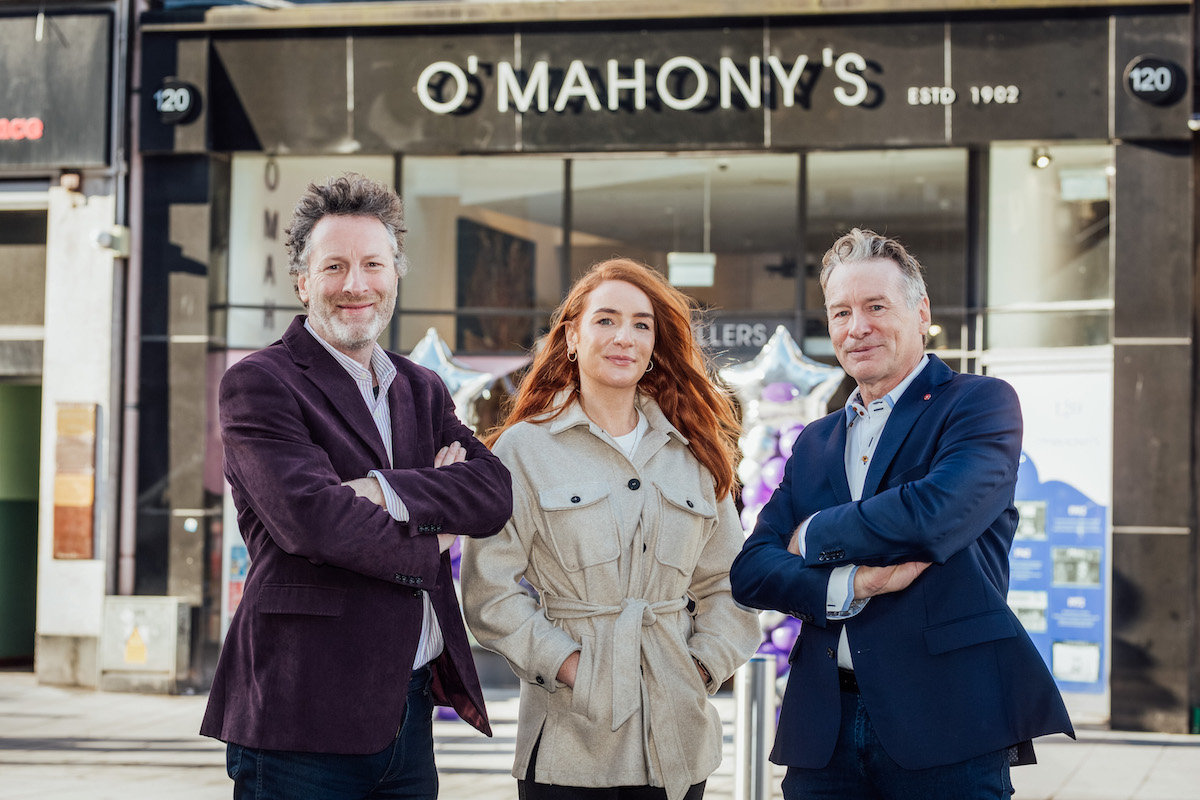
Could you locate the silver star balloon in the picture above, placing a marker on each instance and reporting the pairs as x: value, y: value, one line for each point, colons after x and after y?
x: 780, y: 391
x: 781, y: 385
x: 466, y: 385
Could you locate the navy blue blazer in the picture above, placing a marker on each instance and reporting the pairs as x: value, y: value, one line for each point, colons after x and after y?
x: 946, y: 670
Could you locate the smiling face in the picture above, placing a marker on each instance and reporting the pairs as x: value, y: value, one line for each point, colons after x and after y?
x: 613, y: 338
x: 876, y: 336
x: 350, y: 285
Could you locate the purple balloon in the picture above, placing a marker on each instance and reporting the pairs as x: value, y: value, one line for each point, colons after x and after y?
x: 756, y: 493
x: 788, y: 436
x: 772, y: 471
x: 750, y: 517
x: 780, y: 392
x: 784, y: 637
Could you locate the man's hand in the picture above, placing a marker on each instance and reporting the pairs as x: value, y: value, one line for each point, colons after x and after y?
x: 368, y: 488
x: 794, y: 542
x: 871, y: 581
x: 454, y: 453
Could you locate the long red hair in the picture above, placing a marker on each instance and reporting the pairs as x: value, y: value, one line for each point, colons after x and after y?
x: 679, y: 381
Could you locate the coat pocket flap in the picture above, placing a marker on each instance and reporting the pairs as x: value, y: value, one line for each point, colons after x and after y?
x: 578, y: 496
x: 691, y: 503
x: 972, y: 630
x: 313, y: 601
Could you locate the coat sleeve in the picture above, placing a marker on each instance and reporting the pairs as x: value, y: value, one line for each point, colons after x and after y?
x: 473, y: 498
x: 932, y: 511
x: 500, y: 612
x: 285, y: 484
x: 764, y: 574
x: 724, y: 633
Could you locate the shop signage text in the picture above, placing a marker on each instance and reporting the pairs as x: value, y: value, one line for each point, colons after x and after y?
x: 681, y: 83
x: 19, y: 128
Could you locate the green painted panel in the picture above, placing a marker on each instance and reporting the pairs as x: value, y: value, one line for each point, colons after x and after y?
x: 20, y: 441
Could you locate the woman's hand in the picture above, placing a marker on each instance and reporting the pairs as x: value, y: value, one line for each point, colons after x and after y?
x: 566, y: 673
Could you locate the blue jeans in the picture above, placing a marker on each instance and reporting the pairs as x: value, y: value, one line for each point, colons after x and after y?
x: 862, y: 769
x: 403, y: 769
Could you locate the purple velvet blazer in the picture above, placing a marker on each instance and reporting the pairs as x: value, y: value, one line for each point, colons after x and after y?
x: 319, y: 653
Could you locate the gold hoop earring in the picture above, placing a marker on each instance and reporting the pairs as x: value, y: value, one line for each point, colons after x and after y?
x: 651, y: 365
x: 571, y: 356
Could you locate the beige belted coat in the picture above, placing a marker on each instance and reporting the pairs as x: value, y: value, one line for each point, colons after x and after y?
x: 630, y: 559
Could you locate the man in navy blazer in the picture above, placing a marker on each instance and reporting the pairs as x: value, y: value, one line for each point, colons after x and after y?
x: 351, y: 476
x: 889, y: 539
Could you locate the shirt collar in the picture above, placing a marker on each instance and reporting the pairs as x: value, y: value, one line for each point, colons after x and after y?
x: 383, y: 367
x: 573, y: 415
x: 890, y: 398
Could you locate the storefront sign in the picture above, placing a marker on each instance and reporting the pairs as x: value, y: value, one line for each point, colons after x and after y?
x: 743, y: 86
x: 54, y: 99
x: 681, y: 83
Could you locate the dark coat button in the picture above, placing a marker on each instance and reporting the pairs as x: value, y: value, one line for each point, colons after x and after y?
x: 829, y: 651
x: 575, y: 499
x: 689, y: 504
x: 634, y: 484
x: 541, y: 680
x: 416, y: 592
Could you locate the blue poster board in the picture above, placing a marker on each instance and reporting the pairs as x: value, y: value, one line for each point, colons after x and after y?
x: 1058, y: 581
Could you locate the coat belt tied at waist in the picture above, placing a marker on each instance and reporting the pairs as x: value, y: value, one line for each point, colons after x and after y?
x: 628, y: 686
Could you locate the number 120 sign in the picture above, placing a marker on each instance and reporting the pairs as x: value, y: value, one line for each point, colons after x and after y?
x: 176, y: 102
x: 1155, y: 80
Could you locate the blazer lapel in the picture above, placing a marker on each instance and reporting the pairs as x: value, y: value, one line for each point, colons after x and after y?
x: 332, y: 380
x: 406, y: 449
x: 919, y: 396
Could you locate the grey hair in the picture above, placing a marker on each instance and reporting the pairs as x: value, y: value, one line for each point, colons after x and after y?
x: 865, y: 245
x: 349, y: 195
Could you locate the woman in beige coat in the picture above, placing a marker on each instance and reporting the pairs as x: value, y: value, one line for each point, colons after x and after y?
x: 622, y: 453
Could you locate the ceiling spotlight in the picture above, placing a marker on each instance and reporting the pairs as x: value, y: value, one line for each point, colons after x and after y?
x: 1041, y: 157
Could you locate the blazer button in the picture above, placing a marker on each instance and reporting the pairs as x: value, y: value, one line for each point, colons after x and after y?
x: 634, y: 484
x: 690, y: 504
x: 416, y: 592
x: 829, y: 651
x: 541, y: 680
x: 575, y: 499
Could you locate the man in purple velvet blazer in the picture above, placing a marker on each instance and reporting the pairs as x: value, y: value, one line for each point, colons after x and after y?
x: 351, y: 476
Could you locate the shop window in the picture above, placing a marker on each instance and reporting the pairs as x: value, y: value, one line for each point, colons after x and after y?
x: 23, y: 267
x: 1049, y: 246
x: 723, y: 228
x: 485, y: 251
x: 916, y: 196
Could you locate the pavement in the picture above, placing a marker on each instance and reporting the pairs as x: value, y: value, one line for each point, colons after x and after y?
x: 63, y: 743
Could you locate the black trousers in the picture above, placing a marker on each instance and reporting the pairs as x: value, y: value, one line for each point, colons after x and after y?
x: 531, y: 790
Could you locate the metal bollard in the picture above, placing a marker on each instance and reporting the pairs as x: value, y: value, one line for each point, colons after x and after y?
x: 754, y: 728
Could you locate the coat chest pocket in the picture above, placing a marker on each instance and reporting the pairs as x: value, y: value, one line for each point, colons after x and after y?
x: 580, y: 524
x: 685, y: 518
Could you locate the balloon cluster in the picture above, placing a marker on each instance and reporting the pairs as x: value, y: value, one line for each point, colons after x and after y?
x: 780, y: 391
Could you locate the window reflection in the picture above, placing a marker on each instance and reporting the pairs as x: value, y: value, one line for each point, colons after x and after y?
x: 1049, y: 246
x: 916, y: 196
